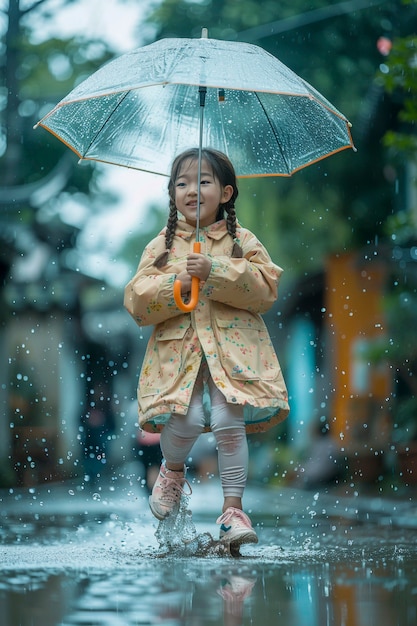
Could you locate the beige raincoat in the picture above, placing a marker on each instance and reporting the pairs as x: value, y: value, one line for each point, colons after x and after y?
x: 225, y: 328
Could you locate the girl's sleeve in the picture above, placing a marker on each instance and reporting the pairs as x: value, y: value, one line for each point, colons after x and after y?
x: 249, y: 283
x: 148, y: 297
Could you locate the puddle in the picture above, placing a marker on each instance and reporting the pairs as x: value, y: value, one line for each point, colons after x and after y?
x: 269, y: 585
x: 116, y: 565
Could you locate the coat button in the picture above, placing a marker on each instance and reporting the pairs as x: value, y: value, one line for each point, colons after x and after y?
x: 234, y: 399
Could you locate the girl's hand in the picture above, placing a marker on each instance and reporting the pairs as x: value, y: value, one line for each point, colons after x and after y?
x: 198, y: 265
x: 185, y: 279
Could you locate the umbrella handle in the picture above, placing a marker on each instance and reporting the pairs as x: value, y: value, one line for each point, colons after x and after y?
x: 195, y: 289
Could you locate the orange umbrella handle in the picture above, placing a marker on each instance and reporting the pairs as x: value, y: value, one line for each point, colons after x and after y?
x: 195, y: 289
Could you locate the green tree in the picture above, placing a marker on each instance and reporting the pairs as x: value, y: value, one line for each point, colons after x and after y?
x: 34, y: 76
x: 398, y: 75
x: 34, y: 167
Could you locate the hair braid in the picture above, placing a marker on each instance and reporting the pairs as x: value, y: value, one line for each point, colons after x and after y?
x: 231, y: 221
x: 162, y: 259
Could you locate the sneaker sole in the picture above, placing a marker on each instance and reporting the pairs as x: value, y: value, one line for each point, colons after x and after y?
x: 157, y: 514
x: 238, y: 540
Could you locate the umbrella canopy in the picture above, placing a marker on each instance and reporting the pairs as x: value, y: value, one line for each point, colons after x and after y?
x: 142, y: 109
x: 145, y: 107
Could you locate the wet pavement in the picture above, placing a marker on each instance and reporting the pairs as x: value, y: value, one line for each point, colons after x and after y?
x: 69, y: 556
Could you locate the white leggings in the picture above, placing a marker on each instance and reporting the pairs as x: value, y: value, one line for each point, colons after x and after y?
x: 226, y: 421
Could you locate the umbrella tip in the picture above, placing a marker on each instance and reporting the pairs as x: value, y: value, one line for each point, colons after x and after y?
x: 204, y: 33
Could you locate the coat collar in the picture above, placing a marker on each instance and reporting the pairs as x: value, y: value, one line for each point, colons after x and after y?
x: 217, y: 231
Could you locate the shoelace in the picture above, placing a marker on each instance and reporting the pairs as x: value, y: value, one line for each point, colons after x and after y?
x: 232, y: 512
x: 171, y: 487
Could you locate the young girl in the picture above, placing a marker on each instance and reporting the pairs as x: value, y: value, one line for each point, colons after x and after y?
x: 220, y: 352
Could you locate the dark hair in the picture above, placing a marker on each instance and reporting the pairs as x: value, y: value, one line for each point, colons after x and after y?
x: 224, y: 172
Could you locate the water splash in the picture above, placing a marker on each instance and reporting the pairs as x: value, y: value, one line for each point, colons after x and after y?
x: 177, y: 534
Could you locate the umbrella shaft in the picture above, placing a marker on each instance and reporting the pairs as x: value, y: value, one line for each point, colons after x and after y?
x: 202, y: 91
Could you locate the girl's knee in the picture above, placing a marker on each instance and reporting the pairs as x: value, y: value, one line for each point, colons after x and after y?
x: 225, y: 417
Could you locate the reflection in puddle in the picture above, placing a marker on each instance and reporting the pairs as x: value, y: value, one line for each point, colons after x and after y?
x: 151, y: 594
x: 169, y: 598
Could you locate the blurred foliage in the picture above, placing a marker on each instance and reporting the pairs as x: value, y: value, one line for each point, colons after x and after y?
x: 400, y: 80
x: 398, y: 75
x: 36, y: 75
x: 402, y: 227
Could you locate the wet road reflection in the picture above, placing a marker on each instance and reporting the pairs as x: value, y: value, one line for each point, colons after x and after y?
x: 93, y: 568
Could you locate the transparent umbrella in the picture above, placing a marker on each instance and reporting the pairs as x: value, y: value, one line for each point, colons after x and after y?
x: 143, y: 108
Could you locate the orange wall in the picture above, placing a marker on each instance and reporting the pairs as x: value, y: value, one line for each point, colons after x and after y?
x: 353, y: 299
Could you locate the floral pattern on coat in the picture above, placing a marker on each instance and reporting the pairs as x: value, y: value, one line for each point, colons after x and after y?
x: 226, y: 328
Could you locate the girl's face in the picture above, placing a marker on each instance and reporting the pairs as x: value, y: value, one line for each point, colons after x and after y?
x: 212, y: 194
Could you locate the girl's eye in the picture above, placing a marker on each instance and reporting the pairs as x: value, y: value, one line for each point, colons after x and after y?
x: 205, y: 182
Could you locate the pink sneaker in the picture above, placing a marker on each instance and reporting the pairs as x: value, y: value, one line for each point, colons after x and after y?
x: 236, y: 528
x: 167, y: 492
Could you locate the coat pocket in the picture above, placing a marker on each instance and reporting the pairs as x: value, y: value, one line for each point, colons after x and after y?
x: 245, y: 349
x: 164, y: 359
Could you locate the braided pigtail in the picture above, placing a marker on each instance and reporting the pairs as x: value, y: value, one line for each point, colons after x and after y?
x: 162, y: 259
x: 237, y: 252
